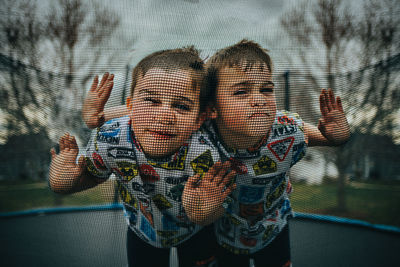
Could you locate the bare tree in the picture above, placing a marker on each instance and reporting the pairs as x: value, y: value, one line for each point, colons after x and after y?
x: 45, y: 62
x: 349, y: 43
x: 21, y: 34
x: 78, y: 33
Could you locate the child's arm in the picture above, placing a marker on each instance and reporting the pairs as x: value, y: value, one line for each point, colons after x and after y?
x: 203, y: 197
x: 93, y: 112
x: 66, y: 176
x: 333, y: 128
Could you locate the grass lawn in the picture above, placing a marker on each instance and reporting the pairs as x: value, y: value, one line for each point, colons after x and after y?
x: 374, y: 203
x: 25, y: 196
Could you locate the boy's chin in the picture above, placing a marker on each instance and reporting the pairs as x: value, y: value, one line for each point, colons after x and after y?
x: 158, y: 153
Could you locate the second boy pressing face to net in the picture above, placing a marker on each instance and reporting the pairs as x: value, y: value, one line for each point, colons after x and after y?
x: 263, y: 144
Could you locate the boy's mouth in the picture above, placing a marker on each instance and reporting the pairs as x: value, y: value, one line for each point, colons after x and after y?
x: 259, y: 115
x: 162, y: 134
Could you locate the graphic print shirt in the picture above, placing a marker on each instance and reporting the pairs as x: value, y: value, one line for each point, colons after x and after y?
x: 151, y: 190
x: 258, y: 209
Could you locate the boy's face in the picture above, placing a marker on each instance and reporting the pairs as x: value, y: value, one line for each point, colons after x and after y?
x: 165, y: 111
x: 245, y: 104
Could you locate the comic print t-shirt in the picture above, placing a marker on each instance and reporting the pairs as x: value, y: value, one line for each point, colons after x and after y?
x: 259, y: 208
x: 151, y: 190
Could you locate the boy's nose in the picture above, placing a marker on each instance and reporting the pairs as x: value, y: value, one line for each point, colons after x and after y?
x: 257, y: 99
x: 166, y: 116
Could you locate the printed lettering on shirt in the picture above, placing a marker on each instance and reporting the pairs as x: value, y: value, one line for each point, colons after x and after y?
x: 177, y: 163
x: 127, y: 170
x: 148, y: 174
x: 281, y: 148
x: 284, y: 130
x: 202, y: 163
x: 109, y: 137
x: 175, y: 192
x: 264, y: 165
x: 109, y: 126
x: 147, y: 229
x: 121, y: 153
x: 161, y: 202
x: 176, y: 180
x: 250, y: 194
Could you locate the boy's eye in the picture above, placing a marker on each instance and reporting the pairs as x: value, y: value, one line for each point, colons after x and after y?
x: 240, y: 92
x: 182, y: 107
x: 152, y: 100
x: 267, y: 90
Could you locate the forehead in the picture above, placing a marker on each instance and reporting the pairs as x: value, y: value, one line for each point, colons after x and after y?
x: 167, y: 82
x: 257, y: 72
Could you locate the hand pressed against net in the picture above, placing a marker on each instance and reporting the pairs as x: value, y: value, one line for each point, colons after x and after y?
x: 92, y: 110
x: 203, y: 196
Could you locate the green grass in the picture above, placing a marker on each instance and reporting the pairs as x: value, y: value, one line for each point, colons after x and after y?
x: 33, y: 195
x: 374, y: 202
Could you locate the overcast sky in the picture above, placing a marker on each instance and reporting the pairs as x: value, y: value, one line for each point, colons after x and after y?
x: 152, y: 25
x: 207, y: 24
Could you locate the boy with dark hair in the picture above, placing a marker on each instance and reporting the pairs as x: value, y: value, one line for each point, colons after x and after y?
x: 152, y: 152
x: 262, y: 144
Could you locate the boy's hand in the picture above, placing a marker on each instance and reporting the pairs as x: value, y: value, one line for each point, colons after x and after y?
x: 64, y: 171
x: 202, y: 197
x: 333, y: 124
x: 93, y: 106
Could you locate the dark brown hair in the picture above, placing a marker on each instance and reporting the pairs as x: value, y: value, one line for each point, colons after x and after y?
x: 244, y: 53
x: 186, y: 59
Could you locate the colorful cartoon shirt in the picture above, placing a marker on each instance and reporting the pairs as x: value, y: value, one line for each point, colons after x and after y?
x: 150, y: 189
x: 259, y: 208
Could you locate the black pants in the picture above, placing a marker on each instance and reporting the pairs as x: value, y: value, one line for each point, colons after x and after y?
x: 276, y: 254
x: 199, y: 250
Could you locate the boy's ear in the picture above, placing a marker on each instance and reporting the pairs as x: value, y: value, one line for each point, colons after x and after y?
x: 211, y: 112
x: 202, y: 118
x: 129, y: 103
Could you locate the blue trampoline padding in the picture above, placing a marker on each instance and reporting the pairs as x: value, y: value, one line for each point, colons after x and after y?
x: 341, y: 220
x: 44, y: 211
x: 118, y: 206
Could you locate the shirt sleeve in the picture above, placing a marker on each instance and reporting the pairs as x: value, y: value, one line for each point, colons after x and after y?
x: 300, y: 145
x: 95, y: 155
